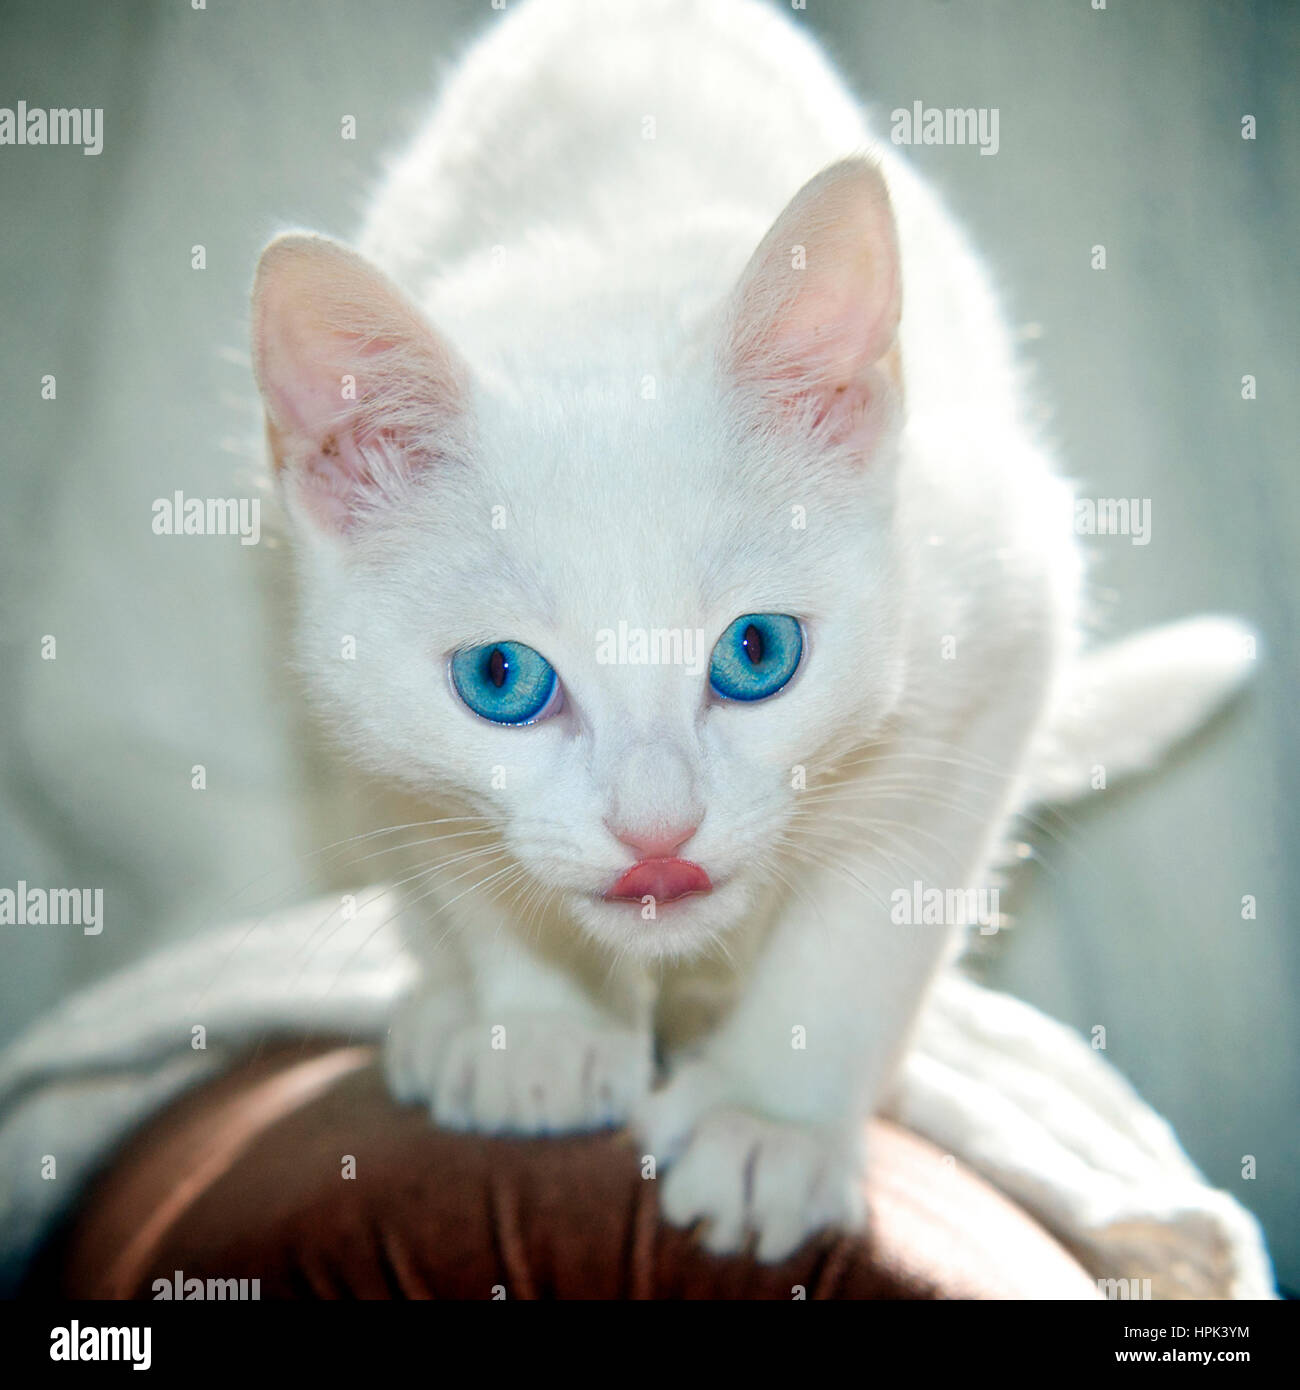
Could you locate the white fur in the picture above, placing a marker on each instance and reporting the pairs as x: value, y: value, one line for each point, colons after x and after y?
x: 1130, y: 702
x: 565, y: 260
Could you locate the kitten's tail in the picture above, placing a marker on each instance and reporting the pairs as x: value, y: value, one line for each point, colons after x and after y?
x: 1131, y: 701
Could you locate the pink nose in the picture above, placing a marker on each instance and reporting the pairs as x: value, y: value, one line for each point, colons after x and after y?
x: 655, y: 844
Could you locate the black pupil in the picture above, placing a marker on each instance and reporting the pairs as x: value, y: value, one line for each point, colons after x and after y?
x: 752, y: 642
x: 498, y: 668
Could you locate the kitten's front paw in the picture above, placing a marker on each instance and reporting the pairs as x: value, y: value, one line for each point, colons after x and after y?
x: 744, y: 1176
x: 417, y: 1042
x: 536, y: 1074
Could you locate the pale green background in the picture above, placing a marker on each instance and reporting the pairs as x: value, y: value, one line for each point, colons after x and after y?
x: 1120, y: 127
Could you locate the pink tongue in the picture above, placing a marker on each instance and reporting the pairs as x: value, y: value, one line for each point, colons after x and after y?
x: 664, y: 880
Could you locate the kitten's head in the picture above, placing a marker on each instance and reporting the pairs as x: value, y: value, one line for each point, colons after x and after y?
x: 625, y: 630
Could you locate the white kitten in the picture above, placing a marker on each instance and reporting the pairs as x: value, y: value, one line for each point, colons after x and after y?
x: 658, y: 410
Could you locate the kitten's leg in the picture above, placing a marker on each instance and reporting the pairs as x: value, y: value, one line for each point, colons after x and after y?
x: 441, y: 1002
x: 762, y: 1127
x: 524, y: 1043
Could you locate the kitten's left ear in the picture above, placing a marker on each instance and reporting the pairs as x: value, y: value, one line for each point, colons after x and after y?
x: 814, y: 321
x: 360, y: 392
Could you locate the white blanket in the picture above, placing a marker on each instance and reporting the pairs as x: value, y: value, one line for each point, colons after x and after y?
x: 1015, y: 1095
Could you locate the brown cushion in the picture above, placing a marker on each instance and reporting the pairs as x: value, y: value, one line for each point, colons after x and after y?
x: 243, y: 1179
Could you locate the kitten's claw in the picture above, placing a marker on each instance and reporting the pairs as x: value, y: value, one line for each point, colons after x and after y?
x: 746, y: 1177
x: 530, y: 1074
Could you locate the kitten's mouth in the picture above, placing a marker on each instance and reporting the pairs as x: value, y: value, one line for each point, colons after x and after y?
x: 664, y: 880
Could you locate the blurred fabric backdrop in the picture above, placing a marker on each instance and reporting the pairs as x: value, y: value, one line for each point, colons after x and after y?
x: 1120, y: 126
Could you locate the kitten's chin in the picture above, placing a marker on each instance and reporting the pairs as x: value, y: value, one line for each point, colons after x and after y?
x: 691, y: 926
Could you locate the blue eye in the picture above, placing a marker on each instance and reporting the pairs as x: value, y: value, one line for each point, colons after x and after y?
x: 756, y: 656
x: 505, y: 682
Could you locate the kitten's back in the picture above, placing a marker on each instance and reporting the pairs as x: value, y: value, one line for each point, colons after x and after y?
x: 616, y: 120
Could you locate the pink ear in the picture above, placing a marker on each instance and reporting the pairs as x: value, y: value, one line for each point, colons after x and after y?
x: 360, y: 393
x: 818, y: 306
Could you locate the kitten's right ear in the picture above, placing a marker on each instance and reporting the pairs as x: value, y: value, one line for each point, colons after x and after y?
x: 360, y: 393
x: 814, y: 320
